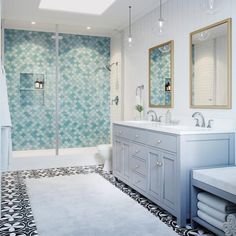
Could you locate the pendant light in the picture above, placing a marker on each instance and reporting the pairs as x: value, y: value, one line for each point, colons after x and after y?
x: 209, y: 6
x: 130, y: 39
x: 161, y: 20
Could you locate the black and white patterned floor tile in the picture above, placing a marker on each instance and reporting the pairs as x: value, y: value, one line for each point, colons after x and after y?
x: 17, y: 217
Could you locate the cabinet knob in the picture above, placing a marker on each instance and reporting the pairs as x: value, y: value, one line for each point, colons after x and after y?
x: 137, y: 151
x: 158, y: 141
x: 120, y: 132
x: 159, y: 164
x: 139, y: 181
x: 136, y: 136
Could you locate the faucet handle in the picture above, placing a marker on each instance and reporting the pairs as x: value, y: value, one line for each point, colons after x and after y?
x: 160, y: 117
x: 209, y: 123
x: 197, y: 122
x: 152, y: 116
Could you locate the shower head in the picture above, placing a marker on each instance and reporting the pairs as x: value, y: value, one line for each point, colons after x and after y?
x: 108, y: 67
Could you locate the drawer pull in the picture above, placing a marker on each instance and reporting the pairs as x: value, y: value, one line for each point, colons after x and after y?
x: 137, y: 151
x: 158, y: 141
x: 139, y: 181
x: 136, y: 136
x: 159, y: 164
x: 120, y: 132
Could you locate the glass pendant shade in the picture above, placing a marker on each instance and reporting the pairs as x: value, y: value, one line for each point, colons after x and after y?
x: 161, y: 24
x: 209, y: 6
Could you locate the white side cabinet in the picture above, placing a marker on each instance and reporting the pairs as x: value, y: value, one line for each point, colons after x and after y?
x: 158, y: 164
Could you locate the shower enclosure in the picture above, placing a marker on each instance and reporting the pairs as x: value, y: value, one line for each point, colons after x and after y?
x: 59, y: 90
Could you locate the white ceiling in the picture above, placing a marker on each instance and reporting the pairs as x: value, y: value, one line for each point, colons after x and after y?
x: 20, y: 13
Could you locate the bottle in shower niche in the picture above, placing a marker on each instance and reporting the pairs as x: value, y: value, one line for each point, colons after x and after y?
x: 41, y: 84
x: 37, y: 84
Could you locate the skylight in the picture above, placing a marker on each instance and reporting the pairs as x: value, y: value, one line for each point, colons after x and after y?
x: 94, y: 7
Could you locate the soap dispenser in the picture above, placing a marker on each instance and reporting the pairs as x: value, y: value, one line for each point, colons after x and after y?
x: 168, y: 117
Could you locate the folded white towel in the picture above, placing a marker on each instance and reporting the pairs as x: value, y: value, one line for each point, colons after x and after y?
x: 216, y: 202
x: 212, y: 212
x: 229, y: 227
x: 216, y: 223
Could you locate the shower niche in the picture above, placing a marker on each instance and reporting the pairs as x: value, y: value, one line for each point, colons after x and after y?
x: 32, y: 89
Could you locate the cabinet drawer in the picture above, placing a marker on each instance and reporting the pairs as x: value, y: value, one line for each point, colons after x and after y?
x: 139, y: 135
x: 139, y: 181
x: 138, y: 165
x: 164, y: 141
x: 122, y: 131
x: 138, y: 151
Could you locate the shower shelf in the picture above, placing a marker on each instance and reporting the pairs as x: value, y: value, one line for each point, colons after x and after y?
x: 29, y: 89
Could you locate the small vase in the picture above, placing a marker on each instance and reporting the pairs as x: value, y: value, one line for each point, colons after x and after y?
x: 141, y: 115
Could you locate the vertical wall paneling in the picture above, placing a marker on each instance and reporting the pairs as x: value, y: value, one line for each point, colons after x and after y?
x: 182, y: 17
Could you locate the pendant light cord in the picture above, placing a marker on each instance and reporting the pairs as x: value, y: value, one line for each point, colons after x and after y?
x: 160, y: 9
x: 130, y: 21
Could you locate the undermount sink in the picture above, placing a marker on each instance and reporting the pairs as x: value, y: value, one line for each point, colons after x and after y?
x: 167, y: 126
x: 141, y: 122
x: 184, y: 128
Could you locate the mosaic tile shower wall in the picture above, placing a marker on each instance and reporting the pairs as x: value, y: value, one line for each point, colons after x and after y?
x: 160, y: 68
x: 83, y: 89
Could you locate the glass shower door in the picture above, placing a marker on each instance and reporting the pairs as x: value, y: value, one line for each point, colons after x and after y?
x: 29, y: 60
x: 84, y: 91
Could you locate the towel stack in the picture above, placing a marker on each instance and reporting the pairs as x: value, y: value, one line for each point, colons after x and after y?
x: 229, y: 227
x: 217, y: 212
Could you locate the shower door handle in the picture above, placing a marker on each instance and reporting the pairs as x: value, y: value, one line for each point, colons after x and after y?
x: 116, y: 100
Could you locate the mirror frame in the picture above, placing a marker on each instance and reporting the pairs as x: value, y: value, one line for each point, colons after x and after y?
x: 229, y: 65
x: 171, y: 43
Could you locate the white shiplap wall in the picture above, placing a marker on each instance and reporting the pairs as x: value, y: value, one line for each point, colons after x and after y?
x: 183, y: 17
x: 116, y: 72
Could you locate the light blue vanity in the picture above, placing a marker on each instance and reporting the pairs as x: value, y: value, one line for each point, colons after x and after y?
x: 156, y: 160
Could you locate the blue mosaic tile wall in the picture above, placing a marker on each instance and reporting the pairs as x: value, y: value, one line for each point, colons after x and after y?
x: 83, y: 89
x: 160, y: 73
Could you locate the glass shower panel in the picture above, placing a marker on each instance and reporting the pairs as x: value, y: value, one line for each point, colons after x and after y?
x: 29, y: 60
x: 84, y: 91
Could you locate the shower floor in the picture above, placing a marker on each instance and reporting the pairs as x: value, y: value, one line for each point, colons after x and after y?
x: 43, y: 159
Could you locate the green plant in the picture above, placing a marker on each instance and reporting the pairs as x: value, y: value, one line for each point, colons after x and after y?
x: 139, y: 108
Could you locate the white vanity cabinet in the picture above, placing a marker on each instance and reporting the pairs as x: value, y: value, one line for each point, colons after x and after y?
x: 157, y: 164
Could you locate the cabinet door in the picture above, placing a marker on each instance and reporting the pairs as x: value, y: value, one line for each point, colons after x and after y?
x: 118, y: 157
x: 169, y: 179
x: 126, y: 151
x: 121, y: 158
x: 155, y: 174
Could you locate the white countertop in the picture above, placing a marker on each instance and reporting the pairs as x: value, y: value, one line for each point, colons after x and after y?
x: 173, y: 129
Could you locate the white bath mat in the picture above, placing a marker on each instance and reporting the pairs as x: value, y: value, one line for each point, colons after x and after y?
x: 88, y: 205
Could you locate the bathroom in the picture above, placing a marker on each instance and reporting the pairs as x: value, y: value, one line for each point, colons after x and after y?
x: 76, y: 80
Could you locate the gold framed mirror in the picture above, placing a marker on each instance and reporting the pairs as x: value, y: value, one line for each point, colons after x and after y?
x: 161, y: 75
x: 210, y: 66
